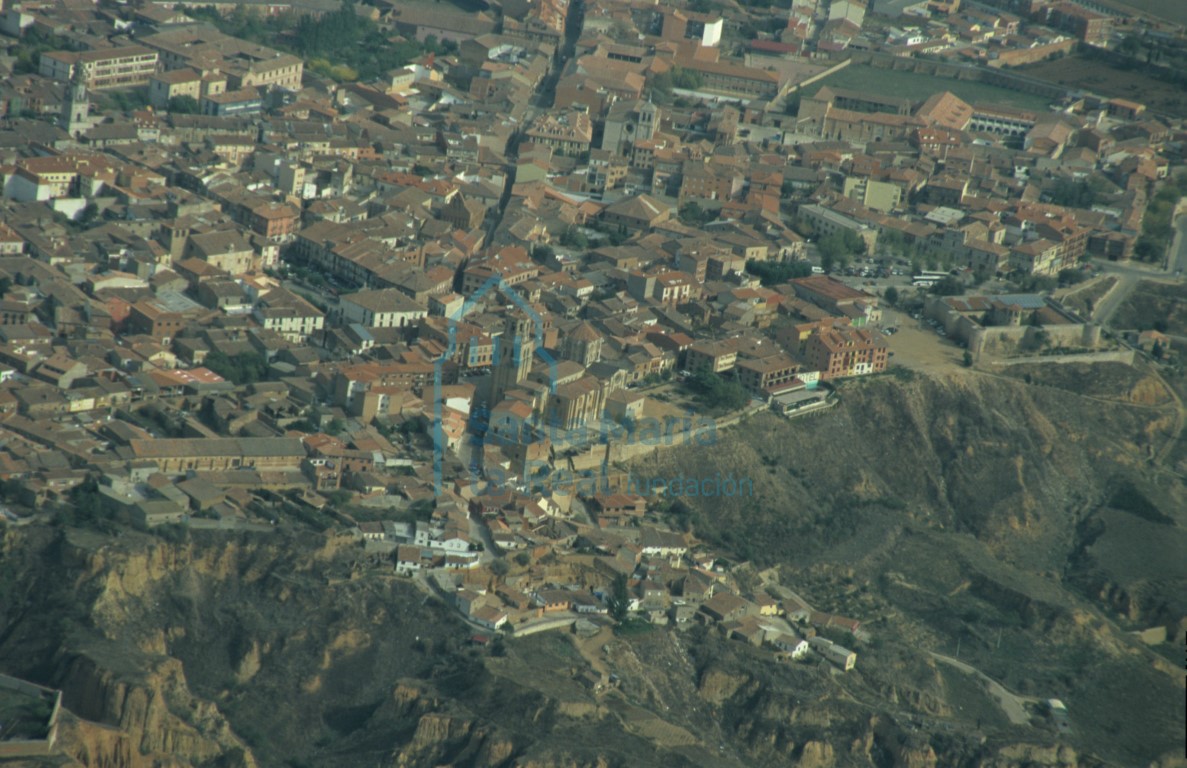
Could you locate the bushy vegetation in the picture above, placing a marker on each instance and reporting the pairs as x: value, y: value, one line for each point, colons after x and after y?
x: 776, y: 273
x: 660, y: 86
x: 183, y: 105
x: 1077, y: 194
x: 1157, y: 225
x: 717, y: 392
x: 836, y: 250
x: 573, y: 238
x: 694, y: 215
x: 949, y: 286
x: 243, y: 368
x: 27, y: 53
x: 342, y: 45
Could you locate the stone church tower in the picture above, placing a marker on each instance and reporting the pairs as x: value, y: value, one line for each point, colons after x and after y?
x: 514, y: 362
x: 76, y: 107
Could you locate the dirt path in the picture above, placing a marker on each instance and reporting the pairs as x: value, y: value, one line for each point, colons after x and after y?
x: 1013, y: 704
x: 1180, y: 420
x: 590, y: 649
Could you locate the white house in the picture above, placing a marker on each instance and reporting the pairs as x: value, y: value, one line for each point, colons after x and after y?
x: 383, y: 308
x: 371, y: 531
x: 663, y: 543
x: 794, y: 645
x: 454, y: 544
x: 489, y: 617
x: 409, y: 559
x: 290, y: 315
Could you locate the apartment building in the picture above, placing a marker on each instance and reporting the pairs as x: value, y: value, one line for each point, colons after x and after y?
x: 1089, y: 26
x: 828, y: 222
x: 767, y: 374
x: 122, y: 67
x: 838, y: 352
x: 711, y: 356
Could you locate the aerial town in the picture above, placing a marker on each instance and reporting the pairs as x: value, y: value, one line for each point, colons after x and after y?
x: 438, y: 299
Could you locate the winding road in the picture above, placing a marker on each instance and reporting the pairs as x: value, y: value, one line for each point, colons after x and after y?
x: 1013, y: 704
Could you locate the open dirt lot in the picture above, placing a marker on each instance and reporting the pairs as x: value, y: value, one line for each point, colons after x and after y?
x: 918, y: 347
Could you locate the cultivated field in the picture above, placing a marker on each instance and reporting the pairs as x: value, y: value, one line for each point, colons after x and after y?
x: 1099, y: 77
x: 917, y: 87
x: 1171, y: 10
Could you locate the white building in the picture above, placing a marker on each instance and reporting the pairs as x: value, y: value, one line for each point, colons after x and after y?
x: 384, y: 308
x: 791, y: 644
x: 289, y: 315
x: 842, y: 657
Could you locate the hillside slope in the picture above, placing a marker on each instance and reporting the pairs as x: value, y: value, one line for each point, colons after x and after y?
x: 1019, y: 523
x: 1014, y: 525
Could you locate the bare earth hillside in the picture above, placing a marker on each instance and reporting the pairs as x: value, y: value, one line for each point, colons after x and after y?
x: 998, y: 539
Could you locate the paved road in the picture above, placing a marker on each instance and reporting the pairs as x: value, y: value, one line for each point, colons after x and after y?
x: 1130, y: 274
x: 1177, y: 262
x: 1120, y: 291
x: 1011, y: 703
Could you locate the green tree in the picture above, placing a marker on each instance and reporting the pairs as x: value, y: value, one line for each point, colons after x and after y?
x: 242, y: 368
x: 837, y: 250
x: 949, y: 286
x: 892, y: 241
x: 499, y: 567
x: 694, y: 215
x: 891, y: 295
x: 778, y: 272
x: 183, y: 105
x: 967, y: 359
x: 89, y: 213
x: 620, y: 598
x: 683, y: 78
x: 1076, y: 194
x: 717, y: 392
x: 573, y: 238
